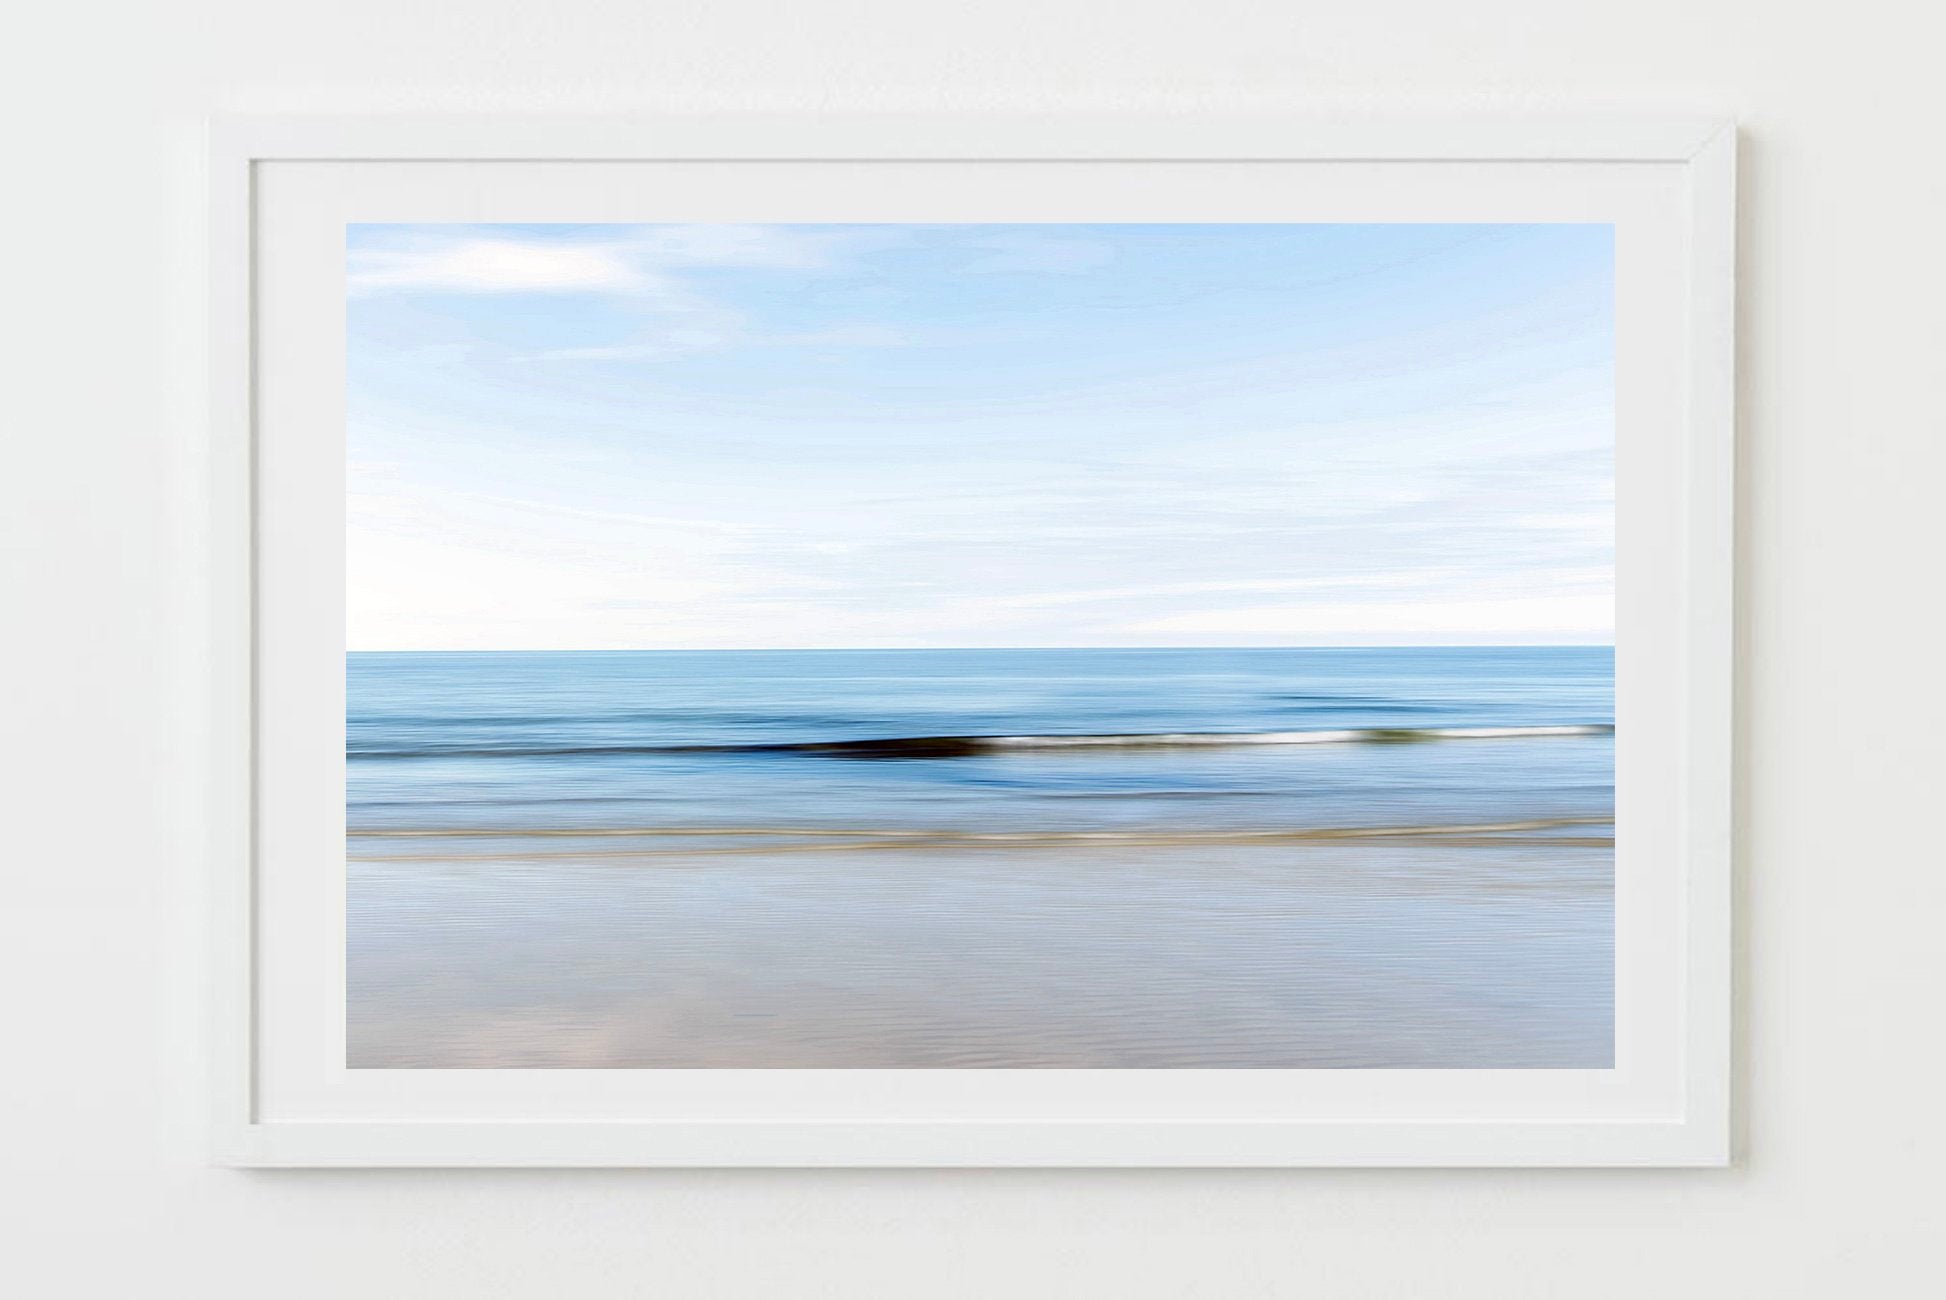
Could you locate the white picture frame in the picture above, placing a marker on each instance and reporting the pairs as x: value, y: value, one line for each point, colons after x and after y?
x: 1674, y: 937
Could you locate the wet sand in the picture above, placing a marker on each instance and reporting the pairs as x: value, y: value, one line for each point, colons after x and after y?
x: 1484, y: 946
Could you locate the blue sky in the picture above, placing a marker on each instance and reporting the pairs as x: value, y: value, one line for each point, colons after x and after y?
x: 609, y: 437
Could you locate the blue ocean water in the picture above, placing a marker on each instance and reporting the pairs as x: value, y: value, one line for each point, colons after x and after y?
x: 979, y: 739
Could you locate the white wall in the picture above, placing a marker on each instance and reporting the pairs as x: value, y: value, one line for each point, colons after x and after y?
x: 1844, y: 733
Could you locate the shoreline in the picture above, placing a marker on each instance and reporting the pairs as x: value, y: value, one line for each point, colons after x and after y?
x: 835, y: 839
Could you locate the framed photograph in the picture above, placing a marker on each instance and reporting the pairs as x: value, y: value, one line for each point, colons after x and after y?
x: 955, y: 641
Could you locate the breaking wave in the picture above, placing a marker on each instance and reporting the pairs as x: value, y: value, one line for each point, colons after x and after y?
x: 942, y: 747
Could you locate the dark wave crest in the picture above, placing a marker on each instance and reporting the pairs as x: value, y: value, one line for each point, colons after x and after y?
x: 940, y: 747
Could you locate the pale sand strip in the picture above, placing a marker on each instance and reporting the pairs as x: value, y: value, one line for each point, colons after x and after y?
x: 838, y: 840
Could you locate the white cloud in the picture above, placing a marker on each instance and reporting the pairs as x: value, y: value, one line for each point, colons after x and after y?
x: 645, y: 267
x: 496, y: 265
x: 637, y: 263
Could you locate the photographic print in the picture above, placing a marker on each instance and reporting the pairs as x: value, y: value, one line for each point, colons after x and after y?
x: 1122, y: 646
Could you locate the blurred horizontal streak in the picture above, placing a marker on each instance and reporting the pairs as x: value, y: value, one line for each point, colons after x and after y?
x: 831, y: 840
x: 1319, y: 833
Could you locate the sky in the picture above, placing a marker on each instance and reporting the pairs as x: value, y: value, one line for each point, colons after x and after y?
x: 699, y: 437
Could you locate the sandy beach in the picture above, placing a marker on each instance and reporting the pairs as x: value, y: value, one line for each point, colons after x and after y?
x: 1451, y: 949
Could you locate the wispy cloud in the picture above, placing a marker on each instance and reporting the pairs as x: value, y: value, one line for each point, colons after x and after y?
x: 648, y: 271
x: 497, y: 265
x: 638, y: 262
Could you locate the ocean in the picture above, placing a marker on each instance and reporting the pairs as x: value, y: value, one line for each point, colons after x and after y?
x: 1300, y: 858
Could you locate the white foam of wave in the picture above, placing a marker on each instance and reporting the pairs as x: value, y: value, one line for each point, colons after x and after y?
x: 1343, y: 737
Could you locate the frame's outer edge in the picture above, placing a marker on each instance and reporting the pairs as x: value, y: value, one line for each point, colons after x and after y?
x: 1046, y: 1145
x: 1711, y: 534
x: 229, y: 838
x: 966, y: 137
x: 1706, y: 146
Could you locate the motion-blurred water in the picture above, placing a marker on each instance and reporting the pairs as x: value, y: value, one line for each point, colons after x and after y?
x: 731, y: 738
x: 1378, y: 857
